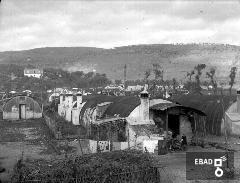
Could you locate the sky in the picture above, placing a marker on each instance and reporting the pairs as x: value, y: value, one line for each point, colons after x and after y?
x: 27, y: 24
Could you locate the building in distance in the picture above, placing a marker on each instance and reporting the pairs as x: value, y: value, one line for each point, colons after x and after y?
x: 37, y: 73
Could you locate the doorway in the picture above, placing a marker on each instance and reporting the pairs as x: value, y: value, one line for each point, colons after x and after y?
x: 22, y: 111
x: 174, y: 124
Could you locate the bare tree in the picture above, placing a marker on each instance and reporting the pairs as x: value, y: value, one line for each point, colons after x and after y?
x: 158, y: 71
x: 158, y: 74
x: 147, y: 74
x: 232, y: 76
x: 199, y: 69
x: 190, y: 74
x: 210, y: 74
x: 174, y: 83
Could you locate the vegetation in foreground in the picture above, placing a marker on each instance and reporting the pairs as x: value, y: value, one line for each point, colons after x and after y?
x: 99, y: 167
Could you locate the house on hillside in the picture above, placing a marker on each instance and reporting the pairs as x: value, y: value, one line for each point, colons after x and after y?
x: 134, y: 88
x: 21, y: 107
x: 37, y: 73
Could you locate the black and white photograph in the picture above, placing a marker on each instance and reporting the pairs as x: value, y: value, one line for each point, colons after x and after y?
x: 119, y: 91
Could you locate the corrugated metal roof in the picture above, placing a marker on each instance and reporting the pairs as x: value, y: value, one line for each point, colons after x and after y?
x: 164, y: 106
x: 15, y: 101
x: 123, y: 106
x: 120, y: 105
x: 94, y: 100
x: 211, y: 105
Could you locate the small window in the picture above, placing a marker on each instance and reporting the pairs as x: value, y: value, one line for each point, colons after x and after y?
x: 22, y: 98
x: 14, y: 109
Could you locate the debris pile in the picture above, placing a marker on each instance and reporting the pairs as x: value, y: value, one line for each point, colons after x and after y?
x: 101, y: 167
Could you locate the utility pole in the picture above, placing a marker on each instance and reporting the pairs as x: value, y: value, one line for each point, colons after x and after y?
x: 166, y: 139
x: 41, y: 78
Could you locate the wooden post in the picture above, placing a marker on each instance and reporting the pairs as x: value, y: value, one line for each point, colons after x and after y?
x: 98, y: 149
x: 80, y: 145
x: 195, y: 125
x: 128, y: 135
x: 166, y: 129
x: 111, y: 137
x: 90, y: 131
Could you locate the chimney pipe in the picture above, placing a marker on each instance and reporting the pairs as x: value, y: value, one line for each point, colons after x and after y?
x: 79, y: 99
x: 61, y: 98
x: 69, y: 97
x: 144, y: 106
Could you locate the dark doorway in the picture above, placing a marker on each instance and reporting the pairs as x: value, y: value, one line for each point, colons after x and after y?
x: 22, y: 111
x: 173, y: 124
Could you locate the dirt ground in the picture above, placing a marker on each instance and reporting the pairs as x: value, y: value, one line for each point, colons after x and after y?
x: 27, y: 139
x: 174, y: 170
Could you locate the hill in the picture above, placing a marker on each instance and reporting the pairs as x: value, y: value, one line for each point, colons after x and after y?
x: 175, y: 59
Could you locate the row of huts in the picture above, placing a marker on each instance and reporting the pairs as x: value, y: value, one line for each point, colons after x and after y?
x: 130, y: 119
x: 185, y: 114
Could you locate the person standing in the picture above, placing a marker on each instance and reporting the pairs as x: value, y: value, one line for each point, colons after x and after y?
x: 184, y: 142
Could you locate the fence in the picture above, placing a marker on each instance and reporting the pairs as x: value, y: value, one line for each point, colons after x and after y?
x: 150, y: 175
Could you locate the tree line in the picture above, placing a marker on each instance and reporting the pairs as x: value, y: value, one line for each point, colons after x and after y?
x: 193, y: 82
x: 195, y: 85
x: 12, y: 78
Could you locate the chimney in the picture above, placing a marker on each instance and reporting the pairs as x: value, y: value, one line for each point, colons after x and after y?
x: 144, y: 106
x: 238, y: 101
x: 69, y: 98
x: 61, y: 98
x: 79, y: 99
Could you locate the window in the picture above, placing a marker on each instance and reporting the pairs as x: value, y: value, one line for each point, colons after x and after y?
x: 14, y: 109
x: 22, y: 98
